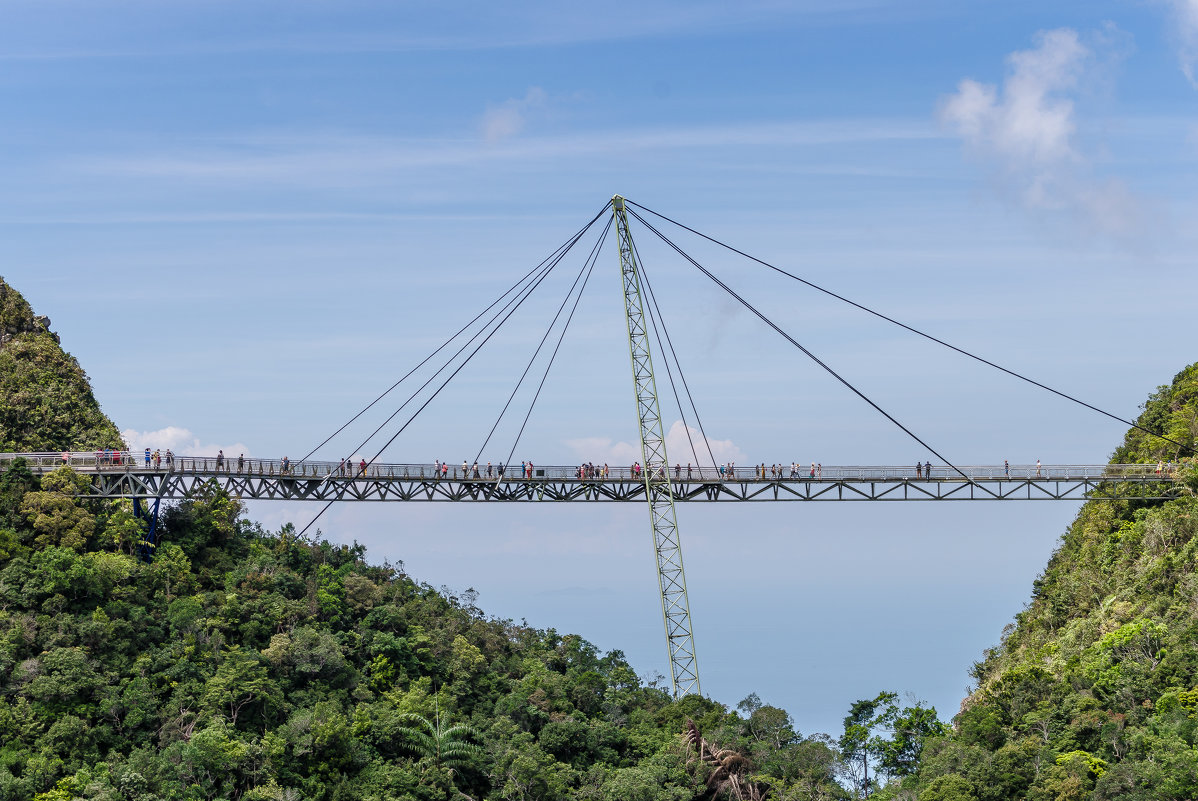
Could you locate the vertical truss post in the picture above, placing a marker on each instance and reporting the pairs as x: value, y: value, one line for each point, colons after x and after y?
x: 684, y: 669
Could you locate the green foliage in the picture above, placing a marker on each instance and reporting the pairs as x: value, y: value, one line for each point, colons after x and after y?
x: 246, y: 665
x: 1171, y: 411
x: 950, y: 787
x: 46, y: 403
x: 452, y: 747
x: 1093, y: 693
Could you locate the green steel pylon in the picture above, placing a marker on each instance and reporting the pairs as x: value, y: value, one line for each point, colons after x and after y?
x: 684, y: 669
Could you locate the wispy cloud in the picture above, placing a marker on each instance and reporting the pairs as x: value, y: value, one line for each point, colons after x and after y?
x: 1028, y: 131
x: 347, y: 160
x: 167, y: 31
x: 604, y: 450
x: 1185, y: 15
x: 179, y: 440
x: 509, y: 118
x: 1032, y: 123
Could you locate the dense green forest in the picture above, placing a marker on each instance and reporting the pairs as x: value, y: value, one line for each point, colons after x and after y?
x: 1093, y: 691
x: 245, y: 664
x: 46, y: 402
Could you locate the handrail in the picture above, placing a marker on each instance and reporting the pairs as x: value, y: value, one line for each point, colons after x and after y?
x: 123, y: 461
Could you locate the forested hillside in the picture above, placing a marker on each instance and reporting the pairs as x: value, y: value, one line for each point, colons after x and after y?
x: 46, y: 402
x: 242, y: 664
x: 1093, y: 692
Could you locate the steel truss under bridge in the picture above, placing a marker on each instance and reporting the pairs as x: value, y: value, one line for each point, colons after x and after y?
x: 176, y: 485
x: 267, y: 479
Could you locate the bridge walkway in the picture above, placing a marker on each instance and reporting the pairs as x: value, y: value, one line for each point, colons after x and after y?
x: 121, y: 476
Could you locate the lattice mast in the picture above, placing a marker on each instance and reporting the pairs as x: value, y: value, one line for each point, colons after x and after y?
x: 684, y: 669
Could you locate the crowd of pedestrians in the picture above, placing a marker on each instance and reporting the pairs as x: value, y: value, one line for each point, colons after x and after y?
x: 159, y: 459
x: 114, y: 457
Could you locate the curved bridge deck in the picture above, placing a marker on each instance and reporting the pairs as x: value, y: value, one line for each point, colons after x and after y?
x: 267, y: 479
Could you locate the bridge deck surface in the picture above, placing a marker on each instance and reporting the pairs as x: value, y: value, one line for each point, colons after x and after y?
x: 124, y: 477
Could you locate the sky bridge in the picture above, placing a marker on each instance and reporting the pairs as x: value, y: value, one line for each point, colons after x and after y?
x: 661, y: 482
x: 126, y: 476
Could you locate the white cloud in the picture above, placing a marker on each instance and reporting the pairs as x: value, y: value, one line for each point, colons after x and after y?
x: 179, y: 440
x: 1028, y: 130
x: 1186, y: 15
x: 603, y: 450
x: 509, y: 117
x: 1032, y: 123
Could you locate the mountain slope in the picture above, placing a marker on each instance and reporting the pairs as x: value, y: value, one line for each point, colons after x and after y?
x: 46, y: 402
x: 1093, y: 692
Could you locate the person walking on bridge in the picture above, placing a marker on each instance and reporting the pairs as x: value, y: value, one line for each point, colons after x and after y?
x: 362, y: 466
x: 927, y: 470
x: 918, y: 469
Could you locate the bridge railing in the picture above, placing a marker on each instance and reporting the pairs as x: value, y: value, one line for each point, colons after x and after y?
x: 207, y: 465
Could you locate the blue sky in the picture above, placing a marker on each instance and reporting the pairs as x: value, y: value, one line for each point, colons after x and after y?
x: 246, y: 220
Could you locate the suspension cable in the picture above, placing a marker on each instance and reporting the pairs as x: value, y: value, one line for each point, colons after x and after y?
x: 906, y: 327
x: 677, y: 363
x: 517, y: 303
x: 561, y: 249
x: 518, y: 300
x: 553, y: 356
x: 665, y: 359
x: 545, y: 337
x: 808, y: 353
x: 436, y: 392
